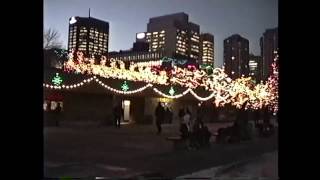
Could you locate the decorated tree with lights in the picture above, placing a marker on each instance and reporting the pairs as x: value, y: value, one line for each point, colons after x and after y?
x: 273, y: 86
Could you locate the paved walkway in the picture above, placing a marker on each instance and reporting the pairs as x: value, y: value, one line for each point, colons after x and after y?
x: 135, y: 150
x: 263, y: 166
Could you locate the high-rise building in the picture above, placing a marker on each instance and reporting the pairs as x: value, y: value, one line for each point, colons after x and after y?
x: 269, y: 49
x: 88, y: 35
x: 236, y: 56
x: 140, y: 47
x: 255, y: 67
x: 194, y: 41
x: 155, y: 40
x: 207, y: 49
x: 174, y: 35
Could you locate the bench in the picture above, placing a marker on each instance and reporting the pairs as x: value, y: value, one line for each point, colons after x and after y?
x: 178, y: 142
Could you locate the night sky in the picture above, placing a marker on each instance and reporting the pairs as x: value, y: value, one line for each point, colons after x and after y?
x: 222, y: 18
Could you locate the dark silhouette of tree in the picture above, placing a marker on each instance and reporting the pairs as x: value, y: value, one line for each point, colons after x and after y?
x: 51, y: 39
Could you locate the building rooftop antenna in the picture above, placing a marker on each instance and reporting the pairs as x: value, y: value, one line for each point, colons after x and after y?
x: 89, y: 12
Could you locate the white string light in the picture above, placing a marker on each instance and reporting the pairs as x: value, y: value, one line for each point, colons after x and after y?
x: 222, y: 88
x: 85, y: 81
x: 123, y: 92
x: 202, y: 98
x: 169, y: 96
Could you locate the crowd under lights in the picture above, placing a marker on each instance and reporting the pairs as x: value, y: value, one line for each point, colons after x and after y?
x: 223, y: 90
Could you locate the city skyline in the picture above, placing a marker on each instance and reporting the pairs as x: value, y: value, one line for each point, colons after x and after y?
x: 248, y: 18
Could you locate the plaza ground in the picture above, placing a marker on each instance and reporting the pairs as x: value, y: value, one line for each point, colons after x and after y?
x: 136, y: 150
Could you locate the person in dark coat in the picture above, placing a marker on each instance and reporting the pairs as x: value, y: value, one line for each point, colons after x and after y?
x: 205, y: 136
x: 181, y: 115
x: 57, y: 113
x: 159, y: 113
x: 117, y: 112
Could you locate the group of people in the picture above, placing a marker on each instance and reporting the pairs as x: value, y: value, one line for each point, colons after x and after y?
x: 193, y: 130
x: 55, y: 112
x: 241, y: 129
x: 262, y: 122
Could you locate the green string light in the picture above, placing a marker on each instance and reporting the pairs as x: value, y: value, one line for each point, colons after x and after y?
x: 57, y: 80
x: 171, y: 91
x: 125, y: 86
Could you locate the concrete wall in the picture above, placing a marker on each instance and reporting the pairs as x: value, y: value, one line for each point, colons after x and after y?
x: 87, y: 107
x: 93, y: 108
x: 82, y: 107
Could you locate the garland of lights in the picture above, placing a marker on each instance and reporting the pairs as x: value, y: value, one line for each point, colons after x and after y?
x: 76, y: 85
x: 201, y: 98
x: 122, y: 92
x: 224, y: 90
x: 236, y: 100
x: 170, y: 96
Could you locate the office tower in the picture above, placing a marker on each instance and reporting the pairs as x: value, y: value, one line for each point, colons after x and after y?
x: 207, y: 49
x: 236, y: 56
x: 88, y: 35
x: 174, y: 35
x: 269, y: 50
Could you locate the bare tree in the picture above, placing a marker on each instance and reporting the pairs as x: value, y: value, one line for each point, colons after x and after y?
x: 51, y: 39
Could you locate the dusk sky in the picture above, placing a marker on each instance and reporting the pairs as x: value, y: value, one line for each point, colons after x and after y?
x: 222, y: 18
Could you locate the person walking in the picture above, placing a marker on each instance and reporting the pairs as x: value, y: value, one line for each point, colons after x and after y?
x: 57, y: 114
x: 117, y: 113
x: 159, y: 113
x: 188, y: 128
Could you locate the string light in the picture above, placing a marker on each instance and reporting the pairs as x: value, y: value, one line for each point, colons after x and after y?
x: 125, y: 86
x: 85, y: 81
x: 171, y: 91
x: 223, y: 89
x: 201, y: 98
x: 57, y: 80
x: 236, y: 94
x: 123, y: 92
x: 171, y: 97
